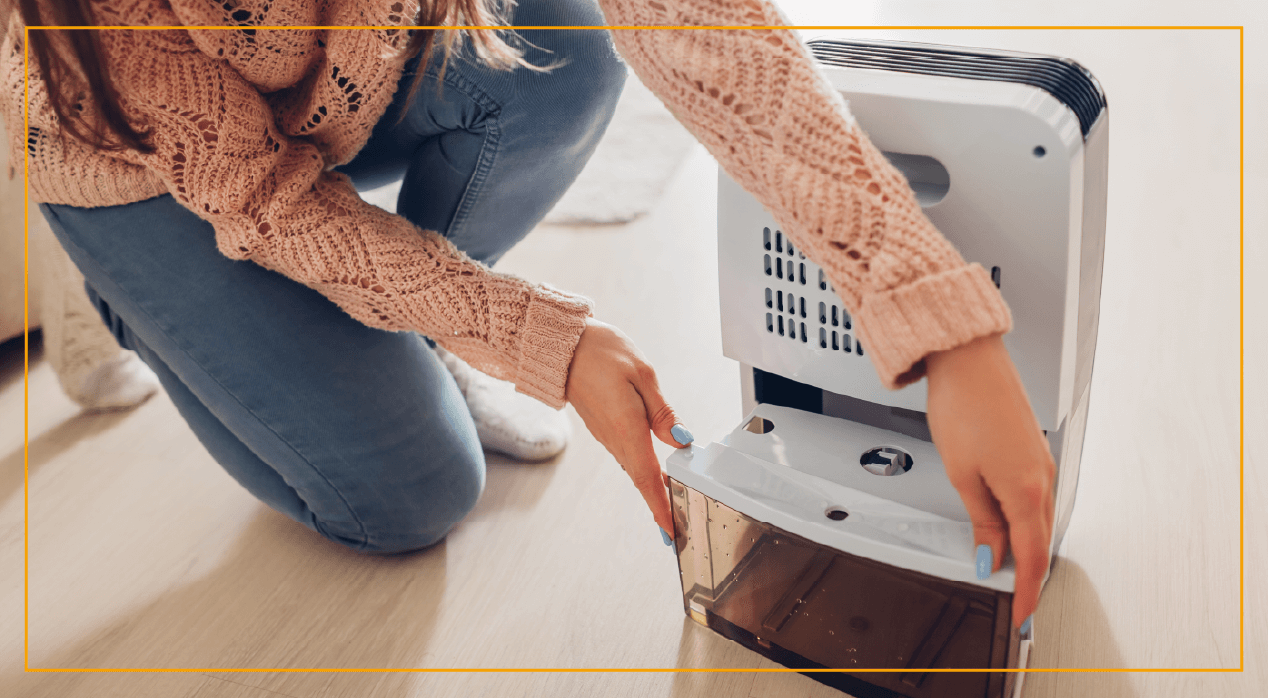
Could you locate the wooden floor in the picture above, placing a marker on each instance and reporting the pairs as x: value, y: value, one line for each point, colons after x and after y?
x: 143, y: 553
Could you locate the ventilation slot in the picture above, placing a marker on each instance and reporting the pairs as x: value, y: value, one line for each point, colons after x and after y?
x: 995, y: 276
x: 1064, y: 79
x: 833, y: 318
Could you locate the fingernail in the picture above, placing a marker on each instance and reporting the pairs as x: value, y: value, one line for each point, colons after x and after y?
x: 984, y: 560
x: 1025, y: 626
x: 665, y: 537
x: 681, y: 435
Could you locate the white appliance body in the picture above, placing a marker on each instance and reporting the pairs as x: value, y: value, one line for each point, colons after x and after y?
x: 1007, y: 154
x: 1004, y: 208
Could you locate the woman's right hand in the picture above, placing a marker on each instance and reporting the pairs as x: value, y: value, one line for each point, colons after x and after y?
x: 614, y: 389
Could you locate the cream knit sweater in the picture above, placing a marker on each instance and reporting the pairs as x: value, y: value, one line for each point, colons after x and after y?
x: 248, y: 124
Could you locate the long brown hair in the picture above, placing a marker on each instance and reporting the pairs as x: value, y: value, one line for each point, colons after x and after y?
x: 73, y: 57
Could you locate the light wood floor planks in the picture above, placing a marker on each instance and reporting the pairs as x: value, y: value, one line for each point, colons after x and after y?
x: 144, y: 554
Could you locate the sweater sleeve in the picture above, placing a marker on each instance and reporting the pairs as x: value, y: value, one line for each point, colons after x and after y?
x: 272, y: 201
x: 757, y: 101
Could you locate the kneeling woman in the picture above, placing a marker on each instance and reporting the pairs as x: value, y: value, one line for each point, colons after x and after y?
x: 204, y: 181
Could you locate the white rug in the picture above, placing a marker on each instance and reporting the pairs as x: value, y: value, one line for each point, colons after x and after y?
x: 625, y: 178
x: 642, y: 148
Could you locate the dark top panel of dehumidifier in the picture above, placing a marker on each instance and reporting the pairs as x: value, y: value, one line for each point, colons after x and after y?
x: 1062, y: 78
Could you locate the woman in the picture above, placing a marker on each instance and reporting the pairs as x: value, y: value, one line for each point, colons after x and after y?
x: 166, y: 158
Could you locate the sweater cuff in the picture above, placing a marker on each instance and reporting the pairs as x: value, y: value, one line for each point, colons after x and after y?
x: 904, y: 325
x: 553, y: 325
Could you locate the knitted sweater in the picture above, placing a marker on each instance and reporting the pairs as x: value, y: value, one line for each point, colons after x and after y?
x: 248, y: 124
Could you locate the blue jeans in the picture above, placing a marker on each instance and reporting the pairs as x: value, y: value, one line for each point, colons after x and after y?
x: 360, y: 434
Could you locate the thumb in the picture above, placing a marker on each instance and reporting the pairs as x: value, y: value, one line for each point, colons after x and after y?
x: 661, y: 417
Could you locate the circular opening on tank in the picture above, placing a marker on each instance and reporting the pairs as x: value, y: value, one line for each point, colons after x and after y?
x: 1040, y: 151
x: 758, y: 425
x: 836, y: 513
x: 886, y: 460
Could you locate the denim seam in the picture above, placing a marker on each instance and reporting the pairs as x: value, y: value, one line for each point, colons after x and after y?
x: 488, y: 148
x: 475, y: 187
x: 365, y: 541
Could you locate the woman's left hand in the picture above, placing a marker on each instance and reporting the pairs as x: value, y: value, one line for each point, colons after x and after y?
x: 614, y: 389
x: 997, y: 458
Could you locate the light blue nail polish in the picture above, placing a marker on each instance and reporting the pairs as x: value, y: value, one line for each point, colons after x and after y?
x: 984, y: 561
x: 1025, y: 626
x: 681, y: 435
x: 665, y: 536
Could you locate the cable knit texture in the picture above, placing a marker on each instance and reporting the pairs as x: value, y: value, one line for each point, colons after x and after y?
x: 762, y: 108
x: 248, y: 123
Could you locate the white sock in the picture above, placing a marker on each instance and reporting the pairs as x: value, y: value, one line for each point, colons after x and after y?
x: 508, y: 422
x: 119, y: 383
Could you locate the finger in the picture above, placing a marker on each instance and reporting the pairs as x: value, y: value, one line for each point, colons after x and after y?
x: 656, y: 496
x: 990, y: 528
x: 640, y: 462
x: 645, y: 472
x: 662, y: 418
x: 1029, y: 509
x: 1030, y: 539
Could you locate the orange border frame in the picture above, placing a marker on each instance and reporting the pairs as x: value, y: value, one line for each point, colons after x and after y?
x: 1242, y: 528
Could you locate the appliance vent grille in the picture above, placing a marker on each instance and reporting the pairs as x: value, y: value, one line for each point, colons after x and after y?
x: 791, y: 301
x: 1067, y: 81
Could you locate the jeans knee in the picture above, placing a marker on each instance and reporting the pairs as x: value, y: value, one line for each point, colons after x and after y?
x: 603, y: 73
x: 611, y: 73
x: 582, y: 80
x: 607, y: 70
x: 410, y: 518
